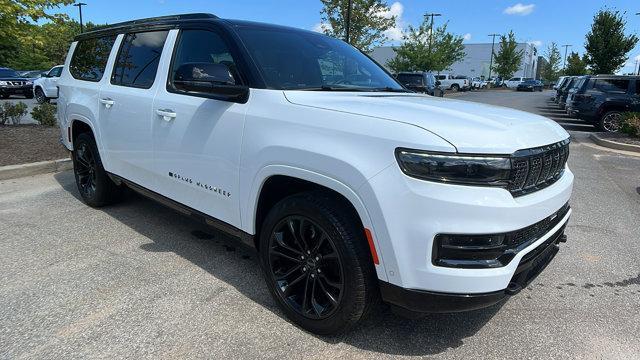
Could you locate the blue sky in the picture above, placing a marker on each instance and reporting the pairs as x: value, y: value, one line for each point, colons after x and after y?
x: 538, y: 21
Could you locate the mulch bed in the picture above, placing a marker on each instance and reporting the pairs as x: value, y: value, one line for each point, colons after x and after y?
x: 21, y: 144
x: 621, y: 138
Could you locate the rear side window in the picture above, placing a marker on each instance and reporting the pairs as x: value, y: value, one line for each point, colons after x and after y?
x: 90, y: 58
x: 410, y: 79
x: 138, y: 59
x: 612, y: 85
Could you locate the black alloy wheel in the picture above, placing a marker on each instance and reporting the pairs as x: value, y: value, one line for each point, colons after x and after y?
x: 306, y: 268
x: 85, y: 169
x: 41, y: 98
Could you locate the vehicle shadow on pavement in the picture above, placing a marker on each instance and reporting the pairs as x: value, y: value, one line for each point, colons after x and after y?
x: 231, y: 262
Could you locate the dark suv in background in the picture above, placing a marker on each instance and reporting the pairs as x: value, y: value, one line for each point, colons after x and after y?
x: 11, y: 83
x: 563, y: 91
x: 421, y: 82
x: 601, y: 99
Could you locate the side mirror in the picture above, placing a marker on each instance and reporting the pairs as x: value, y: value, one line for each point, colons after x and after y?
x: 214, y: 81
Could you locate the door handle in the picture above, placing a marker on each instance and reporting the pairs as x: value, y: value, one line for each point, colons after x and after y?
x: 167, y: 115
x: 107, y: 102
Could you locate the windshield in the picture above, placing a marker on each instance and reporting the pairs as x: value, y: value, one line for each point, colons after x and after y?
x: 300, y: 60
x: 8, y: 73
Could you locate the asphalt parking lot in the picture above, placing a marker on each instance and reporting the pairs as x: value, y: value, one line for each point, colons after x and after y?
x: 137, y: 280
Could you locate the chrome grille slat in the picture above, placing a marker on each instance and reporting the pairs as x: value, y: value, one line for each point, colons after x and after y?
x: 537, y: 168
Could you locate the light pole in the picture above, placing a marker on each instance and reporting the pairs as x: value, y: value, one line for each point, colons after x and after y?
x: 80, y: 5
x: 493, y: 42
x: 347, y: 32
x: 431, y: 28
x: 564, y: 64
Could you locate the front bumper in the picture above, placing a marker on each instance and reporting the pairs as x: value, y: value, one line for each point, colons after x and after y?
x: 16, y: 90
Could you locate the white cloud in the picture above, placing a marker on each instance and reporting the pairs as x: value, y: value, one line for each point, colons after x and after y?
x: 466, y: 37
x: 395, y: 10
x: 519, y: 9
x: 320, y: 27
x: 536, y: 43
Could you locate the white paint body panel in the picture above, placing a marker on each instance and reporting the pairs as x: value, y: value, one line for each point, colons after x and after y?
x: 343, y: 141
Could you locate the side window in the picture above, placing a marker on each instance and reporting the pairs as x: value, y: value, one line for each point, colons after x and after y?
x: 441, y: 77
x: 138, y: 59
x: 612, y: 85
x: 90, y: 58
x: 55, y: 72
x: 199, y: 47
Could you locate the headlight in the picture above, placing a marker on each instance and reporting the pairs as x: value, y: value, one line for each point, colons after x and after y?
x: 458, y: 169
x: 3, y: 83
x: 29, y: 83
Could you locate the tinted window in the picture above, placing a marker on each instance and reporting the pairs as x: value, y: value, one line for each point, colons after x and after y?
x: 8, y: 73
x: 202, y: 46
x: 410, y: 79
x: 90, y: 58
x: 441, y: 77
x: 611, y: 85
x: 138, y: 59
x: 289, y: 59
x: 56, y: 72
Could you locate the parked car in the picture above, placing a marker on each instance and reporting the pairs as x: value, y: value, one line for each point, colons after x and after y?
x: 559, y: 82
x: 515, y: 81
x: 450, y: 82
x: 350, y: 187
x: 45, y: 88
x: 478, y: 83
x: 421, y: 82
x: 11, y: 83
x: 563, y: 92
x: 530, y: 85
x: 602, y: 99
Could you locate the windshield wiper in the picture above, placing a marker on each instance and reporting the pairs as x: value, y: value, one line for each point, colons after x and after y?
x: 390, y: 89
x: 330, y: 88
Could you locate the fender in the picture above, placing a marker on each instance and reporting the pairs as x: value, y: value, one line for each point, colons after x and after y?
x: 249, y: 213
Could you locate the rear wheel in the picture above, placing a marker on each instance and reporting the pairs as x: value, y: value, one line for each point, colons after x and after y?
x: 41, y: 98
x: 611, y: 121
x: 455, y: 87
x: 316, y: 262
x: 95, y: 186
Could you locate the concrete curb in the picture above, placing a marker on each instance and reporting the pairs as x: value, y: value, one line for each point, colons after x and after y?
x: 42, y: 167
x: 614, y: 144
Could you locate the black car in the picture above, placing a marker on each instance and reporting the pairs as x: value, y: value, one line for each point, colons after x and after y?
x: 602, y: 99
x: 11, y: 83
x: 530, y: 85
x: 421, y: 82
x: 563, y: 92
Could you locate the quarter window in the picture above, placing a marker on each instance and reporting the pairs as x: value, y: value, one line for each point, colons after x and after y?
x: 201, y: 46
x: 612, y: 85
x: 138, y: 59
x: 90, y: 58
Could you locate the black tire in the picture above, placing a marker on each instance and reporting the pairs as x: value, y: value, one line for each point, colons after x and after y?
x: 611, y: 121
x: 41, y: 98
x: 455, y: 87
x: 344, y: 289
x: 94, y: 185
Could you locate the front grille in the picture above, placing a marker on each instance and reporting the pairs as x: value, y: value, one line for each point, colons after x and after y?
x: 536, y: 168
x: 525, y: 237
x: 16, y: 83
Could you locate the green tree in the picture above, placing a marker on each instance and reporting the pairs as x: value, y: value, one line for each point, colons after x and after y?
x: 607, y: 45
x: 370, y: 19
x: 576, y: 65
x: 17, y: 18
x: 415, y: 54
x: 508, y: 59
x: 551, y: 69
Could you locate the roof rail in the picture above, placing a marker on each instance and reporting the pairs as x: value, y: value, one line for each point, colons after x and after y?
x: 147, y: 21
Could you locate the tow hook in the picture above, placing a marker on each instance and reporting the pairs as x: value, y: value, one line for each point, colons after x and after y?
x: 562, y: 238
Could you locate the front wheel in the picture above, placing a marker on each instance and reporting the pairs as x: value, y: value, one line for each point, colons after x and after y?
x: 41, y: 98
x: 316, y: 262
x: 611, y: 121
x: 94, y: 185
x: 455, y: 88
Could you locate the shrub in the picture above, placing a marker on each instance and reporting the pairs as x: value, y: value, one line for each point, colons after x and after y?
x: 631, y: 124
x: 45, y: 114
x: 13, y: 112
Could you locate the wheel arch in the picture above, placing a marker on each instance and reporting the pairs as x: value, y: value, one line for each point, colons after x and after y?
x: 290, y: 180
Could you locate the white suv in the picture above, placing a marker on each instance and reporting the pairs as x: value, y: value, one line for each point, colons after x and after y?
x: 350, y: 187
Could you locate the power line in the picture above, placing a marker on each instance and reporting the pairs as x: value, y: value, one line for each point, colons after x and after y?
x: 493, y: 42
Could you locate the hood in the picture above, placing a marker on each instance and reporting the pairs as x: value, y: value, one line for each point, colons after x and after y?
x: 14, y: 79
x: 470, y: 127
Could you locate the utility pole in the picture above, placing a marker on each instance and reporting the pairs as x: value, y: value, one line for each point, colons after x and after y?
x: 80, y: 5
x: 431, y: 29
x: 347, y: 35
x: 493, y: 42
x: 564, y: 64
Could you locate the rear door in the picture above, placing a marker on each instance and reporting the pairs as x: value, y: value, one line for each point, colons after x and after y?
x: 126, y: 102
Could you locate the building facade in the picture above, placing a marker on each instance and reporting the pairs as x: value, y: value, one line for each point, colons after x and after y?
x: 476, y: 61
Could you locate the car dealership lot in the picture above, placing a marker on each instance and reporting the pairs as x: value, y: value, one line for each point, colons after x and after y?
x: 139, y: 280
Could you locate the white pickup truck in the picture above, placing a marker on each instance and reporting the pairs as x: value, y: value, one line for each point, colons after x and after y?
x: 450, y: 82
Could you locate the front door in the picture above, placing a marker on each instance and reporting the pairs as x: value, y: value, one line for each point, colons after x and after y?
x: 50, y: 83
x: 126, y: 106
x: 197, y: 140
